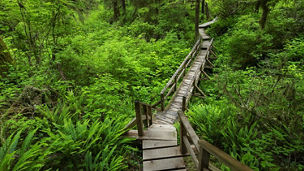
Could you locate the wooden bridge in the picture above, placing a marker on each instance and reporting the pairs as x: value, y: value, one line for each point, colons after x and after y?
x: 159, y: 141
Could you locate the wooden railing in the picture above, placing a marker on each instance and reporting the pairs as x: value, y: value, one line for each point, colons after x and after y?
x: 143, y: 113
x: 200, y: 150
x: 172, y: 84
x: 196, y: 76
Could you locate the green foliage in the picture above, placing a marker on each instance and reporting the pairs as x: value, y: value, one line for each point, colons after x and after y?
x: 26, y: 157
x: 93, y: 70
x: 257, y: 119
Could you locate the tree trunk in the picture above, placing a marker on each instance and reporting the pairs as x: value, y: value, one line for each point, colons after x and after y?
x: 203, y: 7
x: 197, y: 5
x: 115, y: 10
x: 207, y: 11
x: 5, y: 56
x: 265, y: 8
x: 123, y: 4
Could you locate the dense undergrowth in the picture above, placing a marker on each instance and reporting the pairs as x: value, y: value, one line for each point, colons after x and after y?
x: 76, y: 67
x: 254, y: 109
x: 76, y: 72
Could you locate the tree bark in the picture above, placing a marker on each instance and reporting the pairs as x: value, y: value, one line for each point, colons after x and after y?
x: 207, y: 11
x: 197, y: 5
x: 203, y: 7
x: 5, y: 57
x: 123, y: 4
x: 115, y: 10
x: 265, y: 8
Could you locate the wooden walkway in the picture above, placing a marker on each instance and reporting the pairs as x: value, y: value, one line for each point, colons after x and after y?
x: 170, y: 115
x: 160, y: 149
x: 159, y: 141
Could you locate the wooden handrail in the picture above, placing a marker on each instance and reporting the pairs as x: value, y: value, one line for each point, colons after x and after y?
x: 179, y: 73
x: 201, y: 70
x: 223, y: 157
x: 204, y: 148
x: 143, y: 113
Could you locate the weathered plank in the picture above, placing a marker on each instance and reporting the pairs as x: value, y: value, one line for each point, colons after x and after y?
x: 149, y: 144
x: 151, y: 134
x: 159, y: 153
x: 164, y: 164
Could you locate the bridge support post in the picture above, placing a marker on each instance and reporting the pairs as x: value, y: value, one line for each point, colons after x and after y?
x: 203, y: 159
x: 149, y: 111
x: 139, y: 121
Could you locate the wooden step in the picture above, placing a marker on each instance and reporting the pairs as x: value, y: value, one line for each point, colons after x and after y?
x: 154, y: 134
x: 152, y: 144
x: 164, y: 164
x: 160, y: 153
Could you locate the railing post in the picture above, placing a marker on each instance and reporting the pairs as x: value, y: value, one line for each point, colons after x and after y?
x: 149, y: 110
x: 139, y: 121
x: 162, y: 102
x: 182, y: 134
x: 145, y: 110
x: 184, y: 104
x: 203, y: 159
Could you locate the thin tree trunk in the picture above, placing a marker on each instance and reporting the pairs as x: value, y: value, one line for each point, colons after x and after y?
x: 197, y: 5
x: 203, y: 7
x: 115, y: 10
x: 5, y: 56
x: 123, y: 4
x: 265, y: 13
x: 207, y: 11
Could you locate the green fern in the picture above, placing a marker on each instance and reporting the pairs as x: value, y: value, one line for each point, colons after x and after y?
x: 28, y: 157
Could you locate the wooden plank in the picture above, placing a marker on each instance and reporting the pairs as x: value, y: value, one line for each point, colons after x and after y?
x: 153, y: 135
x: 148, y: 144
x: 163, y: 127
x: 160, y: 153
x: 164, y: 164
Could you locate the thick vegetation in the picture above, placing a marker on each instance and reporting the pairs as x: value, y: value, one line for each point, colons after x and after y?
x: 254, y: 110
x: 70, y: 72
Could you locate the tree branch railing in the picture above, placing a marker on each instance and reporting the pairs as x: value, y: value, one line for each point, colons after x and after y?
x: 202, y: 150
